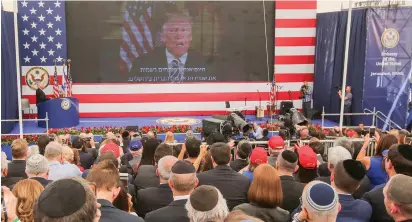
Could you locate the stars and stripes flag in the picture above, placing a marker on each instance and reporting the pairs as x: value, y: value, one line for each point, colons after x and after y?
x: 136, y: 33
x: 55, y: 84
x: 273, y: 91
x: 64, y: 79
x: 69, y: 79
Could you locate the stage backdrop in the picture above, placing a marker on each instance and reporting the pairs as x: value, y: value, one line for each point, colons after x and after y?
x: 123, y: 53
x: 388, y: 62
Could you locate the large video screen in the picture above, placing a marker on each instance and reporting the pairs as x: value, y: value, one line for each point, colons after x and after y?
x: 170, y: 41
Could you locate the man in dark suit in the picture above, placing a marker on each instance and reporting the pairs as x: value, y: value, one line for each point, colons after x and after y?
x: 244, y: 148
x: 17, y: 166
x: 182, y: 181
x: 153, y: 198
x: 398, y: 160
x: 287, y: 164
x: 346, y: 178
x: 232, y: 185
x: 40, y: 95
x: 174, y: 63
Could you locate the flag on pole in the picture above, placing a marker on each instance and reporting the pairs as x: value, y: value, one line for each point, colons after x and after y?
x: 56, y: 83
x: 64, y: 79
x: 273, y: 91
x: 69, y: 79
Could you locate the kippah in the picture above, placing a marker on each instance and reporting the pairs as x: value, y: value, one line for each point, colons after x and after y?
x: 62, y: 198
x: 183, y: 167
x: 322, y: 197
x: 406, y: 151
x: 204, y: 198
x: 37, y: 164
x: 354, y: 168
x: 289, y: 156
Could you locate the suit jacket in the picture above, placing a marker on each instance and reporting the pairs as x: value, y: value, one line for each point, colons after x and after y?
x: 238, y: 164
x: 266, y: 214
x: 232, y: 185
x: 375, y: 199
x: 86, y: 159
x: 146, y: 177
x: 292, y: 191
x: 363, y: 187
x: 353, y: 210
x: 153, y: 198
x: 10, y: 181
x: 41, y: 180
x: 156, y: 63
x: 174, y: 212
x: 40, y: 96
x: 17, y: 168
x: 111, y: 213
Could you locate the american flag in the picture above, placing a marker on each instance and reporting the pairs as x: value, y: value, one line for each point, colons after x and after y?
x: 273, y: 91
x: 69, y: 79
x: 55, y: 84
x: 136, y: 33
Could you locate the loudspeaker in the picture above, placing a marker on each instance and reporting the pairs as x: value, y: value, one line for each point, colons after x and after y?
x: 227, y: 104
x: 210, y: 125
x: 285, y: 106
x: 132, y: 128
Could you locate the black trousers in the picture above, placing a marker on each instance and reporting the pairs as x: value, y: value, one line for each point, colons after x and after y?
x: 347, y: 120
x: 306, y: 108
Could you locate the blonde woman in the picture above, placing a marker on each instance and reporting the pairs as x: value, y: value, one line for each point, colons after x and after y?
x: 26, y: 191
x: 170, y: 138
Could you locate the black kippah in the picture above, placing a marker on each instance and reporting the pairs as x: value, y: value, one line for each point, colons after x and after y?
x: 289, y: 156
x: 62, y: 198
x: 204, y: 198
x: 354, y: 168
x: 406, y: 151
x: 183, y: 167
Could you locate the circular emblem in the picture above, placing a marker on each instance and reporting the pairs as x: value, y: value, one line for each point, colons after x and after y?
x: 65, y: 104
x: 390, y: 38
x: 178, y: 121
x: 37, y: 74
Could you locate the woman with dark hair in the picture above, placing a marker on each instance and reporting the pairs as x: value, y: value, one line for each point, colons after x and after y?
x: 265, y: 196
x: 376, y: 172
x: 149, y: 148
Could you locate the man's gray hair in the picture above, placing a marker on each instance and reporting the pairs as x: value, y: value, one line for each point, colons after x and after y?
x: 4, y: 161
x: 315, y: 214
x: 345, y: 143
x: 337, y: 154
x: 164, y: 166
x: 171, y: 17
x: 37, y: 164
x: 33, y: 149
x: 53, y: 150
x: 218, y: 213
x: 398, y: 190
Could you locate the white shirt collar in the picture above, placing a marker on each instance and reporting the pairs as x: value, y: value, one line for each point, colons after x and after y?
x: 171, y: 57
x: 185, y: 197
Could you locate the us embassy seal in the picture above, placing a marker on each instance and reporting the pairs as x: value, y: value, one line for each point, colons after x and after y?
x: 390, y: 38
x: 65, y: 104
x: 37, y: 74
x: 177, y: 121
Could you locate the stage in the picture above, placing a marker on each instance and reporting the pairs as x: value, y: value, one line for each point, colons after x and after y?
x: 30, y: 127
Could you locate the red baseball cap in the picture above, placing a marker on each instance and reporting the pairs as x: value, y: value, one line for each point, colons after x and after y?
x: 111, y: 147
x: 259, y: 155
x: 276, y: 143
x: 307, y: 157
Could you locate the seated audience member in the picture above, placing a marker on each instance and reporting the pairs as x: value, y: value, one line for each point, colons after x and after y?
x: 126, y: 137
x: 33, y: 149
x: 106, y: 177
x: 376, y: 172
x: 189, y: 134
x: 215, y: 137
x: 258, y: 156
x: 240, y: 216
x: 276, y: 145
x: 105, y: 156
x: 304, y: 134
x: 307, y: 165
x: 182, y: 181
x: 398, y: 198
x: 71, y: 156
x: 286, y: 165
x: 111, y: 146
x: 206, y: 204
x: 192, y: 146
x: 7, y: 181
x: 149, y: 149
x: 345, y: 143
x: 398, y: 160
x: 346, y: 178
x: 320, y: 203
x: 244, y: 148
x: 232, y: 185
x: 67, y: 200
x: 42, y: 142
x: 265, y: 195
x: 26, y: 191
x: 17, y: 166
x: 59, y: 170
x: 146, y: 174
x: 86, y: 159
x: 265, y: 134
x: 132, y: 158
x: 37, y: 168
x: 170, y: 137
x: 153, y: 198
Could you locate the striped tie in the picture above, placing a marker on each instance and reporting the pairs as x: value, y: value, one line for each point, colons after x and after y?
x: 175, y: 74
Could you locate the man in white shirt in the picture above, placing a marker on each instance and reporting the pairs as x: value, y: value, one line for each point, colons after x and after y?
x: 58, y: 170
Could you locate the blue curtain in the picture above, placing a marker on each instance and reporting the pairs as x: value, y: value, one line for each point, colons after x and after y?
x: 330, y: 52
x: 9, y: 100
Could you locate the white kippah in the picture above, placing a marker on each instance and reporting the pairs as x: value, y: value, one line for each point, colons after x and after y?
x: 37, y: 164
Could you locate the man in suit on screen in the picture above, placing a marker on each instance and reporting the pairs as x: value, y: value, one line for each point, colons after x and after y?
x: 174, y: 63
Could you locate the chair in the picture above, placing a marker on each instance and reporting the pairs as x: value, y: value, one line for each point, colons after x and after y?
x: 25, y: 105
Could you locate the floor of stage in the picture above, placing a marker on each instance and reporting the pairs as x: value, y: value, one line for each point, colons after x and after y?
x: 30, y: 127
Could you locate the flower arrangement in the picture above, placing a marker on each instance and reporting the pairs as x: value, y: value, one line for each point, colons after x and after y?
x: 6, y: 140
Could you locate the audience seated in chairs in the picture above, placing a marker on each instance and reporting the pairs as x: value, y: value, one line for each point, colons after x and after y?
x: 37, y: 168
x: 16, y: 167
x: 86, y: 159
x: 59, y: 170
x: 26, y: 191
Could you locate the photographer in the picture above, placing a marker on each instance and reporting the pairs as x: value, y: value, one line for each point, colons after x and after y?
x: 306, y: 96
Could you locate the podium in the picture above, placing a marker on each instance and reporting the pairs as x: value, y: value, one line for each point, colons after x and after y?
x: 62, y: 112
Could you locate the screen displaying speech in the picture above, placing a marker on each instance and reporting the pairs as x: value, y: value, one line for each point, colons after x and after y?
x: 170, y: 41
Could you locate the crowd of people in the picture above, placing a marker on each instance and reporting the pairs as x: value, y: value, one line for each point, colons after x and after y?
x: 131, y: 177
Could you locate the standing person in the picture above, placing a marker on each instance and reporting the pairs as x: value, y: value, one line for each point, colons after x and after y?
x: 347, y: 105
x: 306, y: 95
